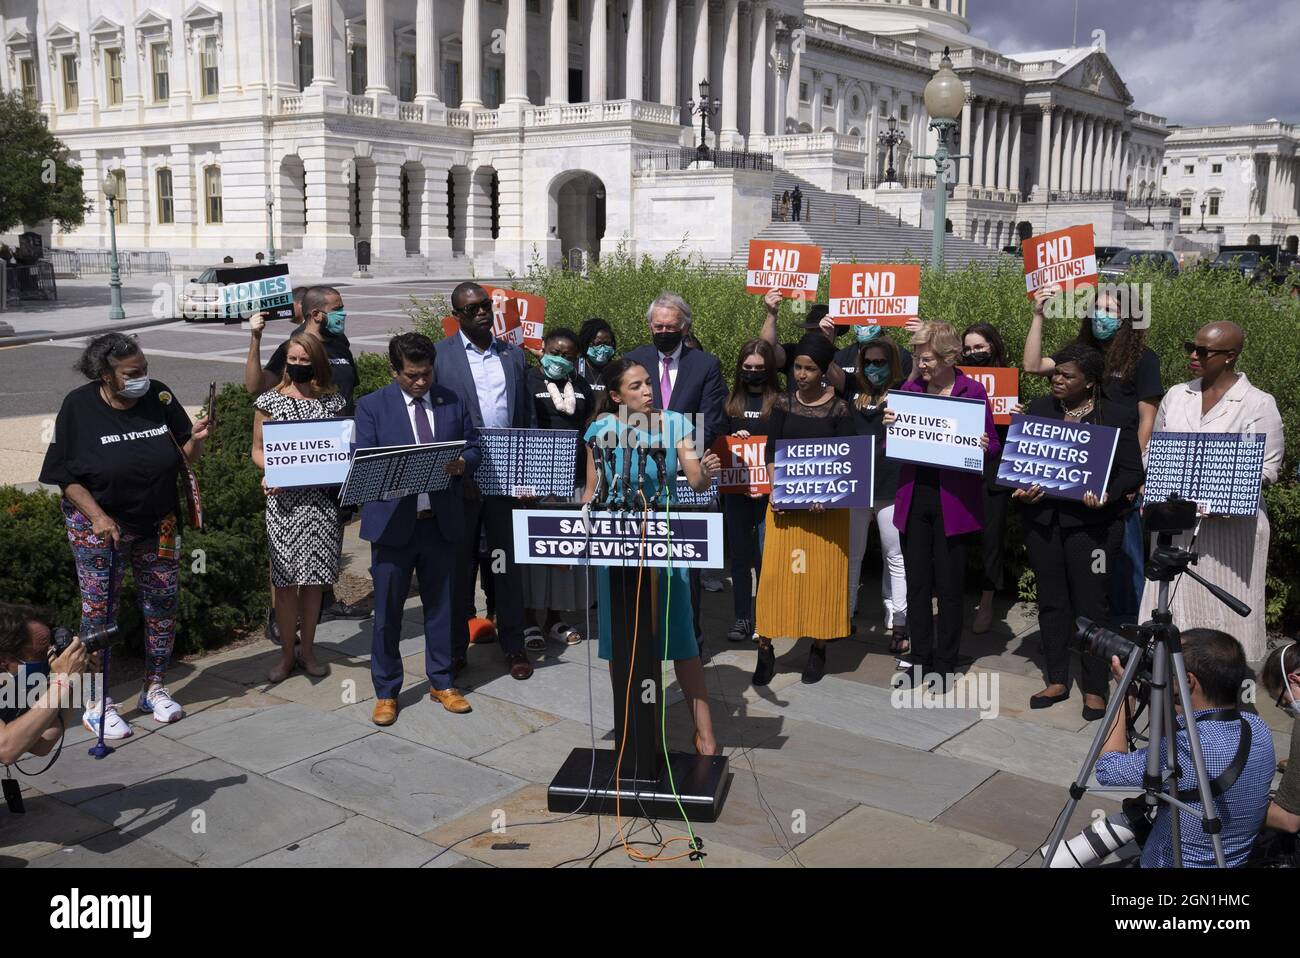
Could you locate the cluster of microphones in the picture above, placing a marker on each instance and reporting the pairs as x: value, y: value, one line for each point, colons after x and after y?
x: 622, y: 488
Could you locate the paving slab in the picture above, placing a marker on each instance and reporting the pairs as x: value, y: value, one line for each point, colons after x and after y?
x: 76, y: 777
x: 112, y: 849
x: 1014, y: 692
x: 358, y: 842
x: 565, y: 689
x: 492, y: 723
x: 874, y: 838
x: 216, y: 814
x: 273, y: 738
x: 400, y: 783
x: 1021, y: 811
x: 47, y: 825
x: 219, y: 715
x: 251, y: 669
x: 870, y: 711
x: 537, y: 757
x: 864, y: 770
x: 1035, y: 751
x: 348, y: 682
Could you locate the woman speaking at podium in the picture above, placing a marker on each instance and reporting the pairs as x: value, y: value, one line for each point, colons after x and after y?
x: 630, y: 393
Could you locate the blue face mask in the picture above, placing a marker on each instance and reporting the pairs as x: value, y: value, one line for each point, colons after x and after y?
x: 556, y: 367
x: 876, y: 375
x: 1105, y: 325
x: 135, y: 388
x: 335, y: 321
x: 866, y: 334
x: 601, y: 354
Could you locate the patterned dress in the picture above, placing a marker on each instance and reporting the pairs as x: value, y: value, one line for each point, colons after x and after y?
x: 302, y: 524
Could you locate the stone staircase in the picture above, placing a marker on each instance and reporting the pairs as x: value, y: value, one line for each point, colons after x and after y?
x: 851, y: 231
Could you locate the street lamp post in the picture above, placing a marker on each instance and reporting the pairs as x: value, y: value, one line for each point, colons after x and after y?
x: 115, y: 310
x: 1201, y: 228
x: 891, y: 138
x: 944, y: 98
x: 1151, y: 201
x: 704, y: 108
x: 270, y: 226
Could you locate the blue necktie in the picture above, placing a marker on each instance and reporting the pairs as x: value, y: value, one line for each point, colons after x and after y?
x: 423, y: 431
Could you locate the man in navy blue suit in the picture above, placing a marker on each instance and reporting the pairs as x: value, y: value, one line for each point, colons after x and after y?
x: 685, y: 380
x: 420, y: 533
x: 488, y: 375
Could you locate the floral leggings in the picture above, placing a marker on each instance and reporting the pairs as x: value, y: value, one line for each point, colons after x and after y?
x: 157, y: 574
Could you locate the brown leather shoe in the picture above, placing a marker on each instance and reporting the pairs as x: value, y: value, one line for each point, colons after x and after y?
x: 385, y: 712
x: 451, y: 700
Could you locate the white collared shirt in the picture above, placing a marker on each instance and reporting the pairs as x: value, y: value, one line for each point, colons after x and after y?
x: 412, y: 408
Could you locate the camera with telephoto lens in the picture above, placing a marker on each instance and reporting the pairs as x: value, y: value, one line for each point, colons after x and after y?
x: 1104, y: 643
x: 1104, y: 836
x: 94, y: 638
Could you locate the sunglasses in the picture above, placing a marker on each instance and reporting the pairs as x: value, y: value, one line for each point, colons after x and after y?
x: 876, y: 363
x: 472, y: 309
x: 1202, y: 352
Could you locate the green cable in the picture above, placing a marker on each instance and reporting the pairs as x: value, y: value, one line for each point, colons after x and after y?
x: 663, y: 667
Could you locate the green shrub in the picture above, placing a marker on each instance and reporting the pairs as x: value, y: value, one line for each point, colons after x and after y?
x: 373, y: 372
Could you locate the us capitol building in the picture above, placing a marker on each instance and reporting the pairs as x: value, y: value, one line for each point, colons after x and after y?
x: 491, y: 134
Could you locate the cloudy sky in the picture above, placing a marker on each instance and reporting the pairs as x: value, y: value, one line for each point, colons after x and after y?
x: 1193, y: 61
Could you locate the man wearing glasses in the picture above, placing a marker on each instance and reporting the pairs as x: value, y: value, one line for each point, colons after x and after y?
x: 488, y: 375
x: 1233, y: 550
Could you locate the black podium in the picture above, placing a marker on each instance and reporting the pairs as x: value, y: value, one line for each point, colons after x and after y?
x: 646, y: 784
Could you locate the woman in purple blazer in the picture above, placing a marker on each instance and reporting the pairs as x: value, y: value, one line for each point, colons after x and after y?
x: 937, y: 510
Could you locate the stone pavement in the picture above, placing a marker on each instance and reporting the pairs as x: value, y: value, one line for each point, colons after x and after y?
x: 825, y: 775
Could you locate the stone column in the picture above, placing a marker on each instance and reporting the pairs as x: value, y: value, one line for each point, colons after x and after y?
x: 668, y: 75
x: 792, y: 90
x: 516, y: 78
x: 471, y: 62
x: 634, y: 63
x: 730, y: 131
x: 559, y: 53
x: 598, y: 82
x: 841, y: 111
x: 815, y: 92
x: 1004, y: 147
x: 1045, y: 151
x: 977, y: 144
x: 377, y: 41
x: 426, y: 53
x: 1017, y: 123
x: 1073, y: 154
x: 967, y: 118
x: 758, y: 71
x: 781, y: 64
x: 991, y: 144
x: 700, y: 51
x: 1058, y: 137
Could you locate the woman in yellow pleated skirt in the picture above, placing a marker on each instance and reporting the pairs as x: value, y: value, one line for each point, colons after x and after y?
x: 803, y: 588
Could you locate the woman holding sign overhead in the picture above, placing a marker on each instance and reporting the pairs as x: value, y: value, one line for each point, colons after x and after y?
x: 1073, y: 545
x: 803, y: 592
x: 938, y: 509
x: 302, y: 524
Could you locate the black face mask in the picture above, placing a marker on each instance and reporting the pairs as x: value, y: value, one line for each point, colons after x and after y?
x: 751, y: 377
x: 299, y: 373
x: 667, y: 343
x: 979, y: 358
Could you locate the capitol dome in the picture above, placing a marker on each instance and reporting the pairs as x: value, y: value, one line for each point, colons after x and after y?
x: 931, y: 24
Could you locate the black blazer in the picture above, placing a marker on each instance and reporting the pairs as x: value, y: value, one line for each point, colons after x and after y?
x: 1126, y: 474
x: 699, y: 389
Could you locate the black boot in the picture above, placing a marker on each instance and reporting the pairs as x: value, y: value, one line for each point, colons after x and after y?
x: 766, y: 667
x: 816, y: 665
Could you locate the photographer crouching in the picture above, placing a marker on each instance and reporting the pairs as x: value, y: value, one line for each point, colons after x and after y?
x: 32, y: 727
x: 1237, y: 747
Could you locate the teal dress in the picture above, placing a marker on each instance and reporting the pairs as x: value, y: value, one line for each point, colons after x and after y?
x: 672, y: 589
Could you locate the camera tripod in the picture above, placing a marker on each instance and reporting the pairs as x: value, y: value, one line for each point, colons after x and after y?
x: 1165, y: 650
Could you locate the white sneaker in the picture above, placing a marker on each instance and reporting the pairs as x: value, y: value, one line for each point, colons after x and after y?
x: 159, y: 701
x: 115, y: 727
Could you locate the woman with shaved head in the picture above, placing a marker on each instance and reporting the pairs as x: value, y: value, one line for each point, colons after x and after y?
x: 1233, y: 550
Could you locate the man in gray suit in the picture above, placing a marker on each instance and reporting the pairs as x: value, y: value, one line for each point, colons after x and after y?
x: 488, y: 376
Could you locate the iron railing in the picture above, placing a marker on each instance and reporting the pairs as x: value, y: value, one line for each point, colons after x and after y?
x: 681, y: 158
x: 74, y: 263
x: 907, y: 181
x: 33, y: 281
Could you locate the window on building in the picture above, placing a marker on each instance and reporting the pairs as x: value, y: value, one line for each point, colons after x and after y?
x: 884, y: 108
x: 212, y: 193
x: 1189, y: 169
x: 404, y: 200
x: 70, y: 98
x: 27, y: 72
x: 803, y: 91
x: 1214, y: 206
x: 357, y: 70
x: 451, y: 204
x: 1216, y: 167
x: 855, y: 104
x: 828, y: 96
x: 451, y: 83
x: 166, y: 203
x: 575, y: 9
x: 902, y: 112
x: 210, y: 77
x: 354, y: 201
x: 1164, y: 171
x: 113, y: 76
x: 1186, y: 206
x: 162, y: 87
x: 119, y: 212
x: 306, y: 68
x: 534, y: 6
x: 492, y: 88
x: 494, y: 206
x: 406, y: 77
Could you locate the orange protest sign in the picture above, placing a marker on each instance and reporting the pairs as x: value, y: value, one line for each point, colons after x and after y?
x: 517, y: 316
x: 1066, y: 257
x: 1002, y: 385
x: 744, y: 465
x: 882, y: 295
x: 793, y: 268
x: 450, y: 325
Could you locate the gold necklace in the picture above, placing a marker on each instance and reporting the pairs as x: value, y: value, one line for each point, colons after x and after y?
x: 1078, y: 412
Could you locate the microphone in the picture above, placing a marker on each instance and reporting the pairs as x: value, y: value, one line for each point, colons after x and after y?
x: 642, y: 453
x: 602, y: 485
x: 629, y: 444
x: 661, y: 460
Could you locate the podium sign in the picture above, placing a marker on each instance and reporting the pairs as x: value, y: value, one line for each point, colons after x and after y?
x: 527, y: 462
x: 616, y: 538
x: 1220, y: 471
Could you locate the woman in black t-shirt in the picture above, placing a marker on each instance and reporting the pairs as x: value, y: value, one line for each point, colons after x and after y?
x: 596, y: 350
x: 563, y: 400
x: 117, y: 453
x: 755, y: 388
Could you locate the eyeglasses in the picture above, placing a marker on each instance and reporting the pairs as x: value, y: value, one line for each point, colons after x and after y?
x: 473, y: 309
x: 753, y: 369
x: 1202, y: 352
